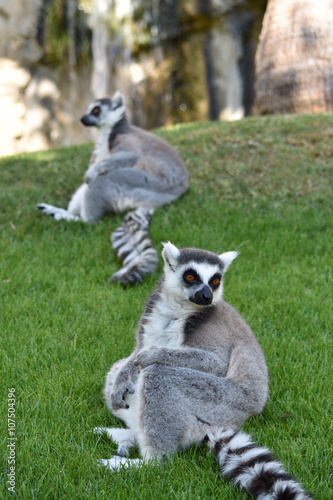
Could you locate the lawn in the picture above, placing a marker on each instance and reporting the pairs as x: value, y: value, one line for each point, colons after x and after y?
x: 262, y: 186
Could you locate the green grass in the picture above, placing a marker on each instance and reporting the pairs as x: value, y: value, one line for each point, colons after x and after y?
x: 262, y: 186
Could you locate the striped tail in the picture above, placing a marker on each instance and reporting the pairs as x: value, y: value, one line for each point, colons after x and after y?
x: 254, y: 468
x: 134, y: 247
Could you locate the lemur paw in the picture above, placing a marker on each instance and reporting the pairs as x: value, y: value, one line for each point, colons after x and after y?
x: 88, y: 177
x: 147, y: 357
x: 91, y: 173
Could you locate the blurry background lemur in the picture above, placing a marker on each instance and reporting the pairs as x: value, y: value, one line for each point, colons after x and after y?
x: 197, y: 371
x: 130, y: 169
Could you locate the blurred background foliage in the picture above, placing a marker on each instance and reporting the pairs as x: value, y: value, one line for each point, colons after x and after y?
x: 176, y: 61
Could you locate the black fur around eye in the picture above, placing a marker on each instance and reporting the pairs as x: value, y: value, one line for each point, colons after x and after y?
x: 215, y: 281
x: 191, y: 277
x: 96, y: 111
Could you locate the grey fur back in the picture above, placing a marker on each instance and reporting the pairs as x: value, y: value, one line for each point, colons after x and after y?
x: 134, y: 247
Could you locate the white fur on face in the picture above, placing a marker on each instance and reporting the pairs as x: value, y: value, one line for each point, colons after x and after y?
x: 109, y: 117
x: 175, y: 284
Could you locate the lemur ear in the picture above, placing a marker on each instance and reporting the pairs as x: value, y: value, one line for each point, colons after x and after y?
x: 227, y: 258
x: 170, y: 254
x: 117, y: 100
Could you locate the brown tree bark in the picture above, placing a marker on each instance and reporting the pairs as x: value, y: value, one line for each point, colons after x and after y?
x: 294, y: 58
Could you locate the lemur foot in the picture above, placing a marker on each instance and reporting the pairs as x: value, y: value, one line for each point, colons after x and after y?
x: 124, y: 438
x: 57, y: 213
x: 116, y: 463
x: 118, y: 398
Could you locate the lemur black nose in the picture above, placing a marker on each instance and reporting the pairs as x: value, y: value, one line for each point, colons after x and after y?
x: 204, y: 296
x: 83, y: 119
x: 88, y: 121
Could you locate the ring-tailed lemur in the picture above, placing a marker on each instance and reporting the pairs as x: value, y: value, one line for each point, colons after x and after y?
x: 129, y: 168
x: 197, y: 370
x: 134, y: 247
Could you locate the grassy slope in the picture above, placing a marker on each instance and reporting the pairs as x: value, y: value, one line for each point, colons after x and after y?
x: 262, y: 186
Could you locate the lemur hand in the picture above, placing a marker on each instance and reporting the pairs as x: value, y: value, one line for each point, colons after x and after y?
x: 97, y: 169
x: 148, y: 357
x: 90, y: 174
x: 118, y: 397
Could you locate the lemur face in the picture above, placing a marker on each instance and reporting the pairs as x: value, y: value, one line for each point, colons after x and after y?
x: 194, y: 275
x: 202, y: 285
x: 105, y: 112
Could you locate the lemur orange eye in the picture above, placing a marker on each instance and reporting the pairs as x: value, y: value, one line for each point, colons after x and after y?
x: 95, y: 111
x: 190, y: 277
x: 216, y: 281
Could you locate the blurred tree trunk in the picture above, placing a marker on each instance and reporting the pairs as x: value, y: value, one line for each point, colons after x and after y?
x: 294, y: 58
